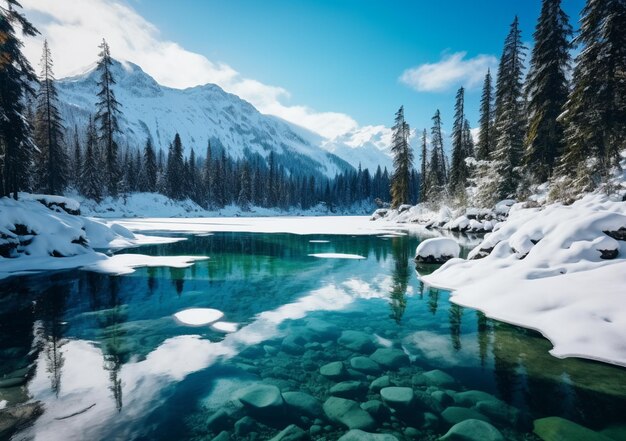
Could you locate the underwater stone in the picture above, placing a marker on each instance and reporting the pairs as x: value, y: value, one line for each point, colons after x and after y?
x: 376, y: 409
x: 219, y: 421
x: 431, y: 421
x: 469, y: 398
x: 359, y: 435
x: 223, y: 436
x: 434, y: 378
x: 333, y: 370
x: 321, y: 330
x: 500, y: 412
x: 12, y: 418
x: 315, y: 429
x: 390, y: 358
x: 348, y: 413
x: 291, y: 433
x: 244, y: 426
x: 365, y: 364
x: 262, y: 397
x: 473, y: 430
x: 293, y: 344
x: 357, y: 341
x: 442, y: 398
x: 303, y: 403
x: 426, y: 402
x: 397, y: 397
x: 348, y: 389
x: 557, y: 429
x: 453, y: 415
x: 379, y: 383
x: 411, y: 432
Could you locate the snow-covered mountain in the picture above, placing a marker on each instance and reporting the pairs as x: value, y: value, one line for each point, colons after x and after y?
x: 204, y: 113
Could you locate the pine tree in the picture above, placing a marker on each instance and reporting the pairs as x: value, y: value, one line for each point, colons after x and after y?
x: 547, y: 90
x: 150, y: 170
x: 107, y: 113
x: 402, y: 160
x: 207, y: 176
x: 52, y: 170
x: 77, y: 162
x: 596, y: 108
x: 423, y: 170
x: 245, y: 193
x: 437, y: 174
x: 486, y: 142
x: 509, y: 115
x: 91, y: 184
x: 459, y: 172
x: 175, y: 166
x: 16, y: 79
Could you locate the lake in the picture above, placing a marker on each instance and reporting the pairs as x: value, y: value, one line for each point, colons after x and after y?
x: 105, y: 357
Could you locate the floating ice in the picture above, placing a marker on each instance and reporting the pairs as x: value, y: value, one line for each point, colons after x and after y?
x: 336, y: 256
x: 198, y: 316
x: 319, y: 241
x: 225, y: 327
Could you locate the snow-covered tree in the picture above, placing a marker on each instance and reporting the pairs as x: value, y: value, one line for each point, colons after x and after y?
x: 402, y: 160
x: 174, y: 173
x: 91, y: 182
x: 245, y: 193
x: 16, y: 80
x: 52, y: 174
x: 423, y: 169
x: 485, y: 145
x: 547, y: 89
x: 107, y: 113
x: 437, y: 174
x: 149, y: 171
x: 509, y: 114
x: 77, y: 160
x: 459, y: 172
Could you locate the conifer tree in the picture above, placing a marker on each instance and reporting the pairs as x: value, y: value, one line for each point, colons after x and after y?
x: 150, y: 169
x: 207, y: 176
x: 460, y: 149
x: 485, y: 145
x: 52, y: 169
x: 596, y: 108
x: 509, y: 115
x: 91, y: 184
x: 547, y: 90
x: 423, y: 170
x: 402, y: 160
x: 245, y: 193
x: 16, y: 79
x: 437, y: 173
x: 175, y: 169
x: 77, y: 162
x: 107, y: 113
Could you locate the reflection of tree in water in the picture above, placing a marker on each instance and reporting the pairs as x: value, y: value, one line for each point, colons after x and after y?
x: 111, y: 321
x: 400, y: 277
x: 433, y: 300
x: 51, y: 309
x: 152, y: 280
x: 178, y: 279
x: 455, y: 315
x: 483, y: 336
x: 505, y: 369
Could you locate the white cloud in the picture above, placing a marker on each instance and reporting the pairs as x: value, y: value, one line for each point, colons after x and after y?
x: 451, y: 70
x: 74, y: 30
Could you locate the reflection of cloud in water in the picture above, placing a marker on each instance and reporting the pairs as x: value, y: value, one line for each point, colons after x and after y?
x: 437, y: 349
x: 85, y: 381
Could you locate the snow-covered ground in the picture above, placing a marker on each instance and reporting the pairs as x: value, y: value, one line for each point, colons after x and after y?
x: 37, y: 233
x: 557, y: 269
x: 143, y: 205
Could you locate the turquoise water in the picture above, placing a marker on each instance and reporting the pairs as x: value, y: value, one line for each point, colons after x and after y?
x: 105, y: 358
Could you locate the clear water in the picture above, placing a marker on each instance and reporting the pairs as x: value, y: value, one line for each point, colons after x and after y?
x: 107, y: 360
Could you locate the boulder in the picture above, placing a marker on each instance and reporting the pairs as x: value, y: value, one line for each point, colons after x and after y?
x: 291, y: 433
x: 348, y: 413
x: 470, y: 398
x: 16, y: 417
x: 379, y: 383
x: 376, y: 409
x: 244, y: 426
x: 321, y: 330
x: 399, y: 398
x: 359, y: 435
x: 435, y: 377
x: 365, y: 364
x: 390, y: 358
x: 500, y: 412
x: 453, y: 415
x: 262, y: 398
x: 559, y: 429
x: 303, y: 403
x: 473, y: 430
x: 437, y: 250
x: 293, y: 344
x: 334, y: 370
x: 349, y: 389
x: 357, y: 341
x: 218, y: 421
x: 223, y: 436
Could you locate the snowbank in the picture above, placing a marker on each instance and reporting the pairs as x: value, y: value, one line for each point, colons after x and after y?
x: 38, y: 233
x: 437, y: 250
x: 559, y: 269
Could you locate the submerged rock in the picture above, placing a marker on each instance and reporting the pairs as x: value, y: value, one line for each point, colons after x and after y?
x: 357, y: 341
x: 558, y: 429
x: 379, y: 383
x: 365, y: 364
x: 397, y: 397
x: 359, y: 435
x: 453, y: 415
x: 390, y: 358
x: 434, y: 378
x: 348, y: 413
x: 219, y: 421
x: 348, y: 389
x: 263, y: 398
x: 334, y: 370
x: 321, y: 330
x: 291, y: 433
x: 223, y: 436
x: 244, y: 426
x: 473, y: 430
x: 14, y: 418
x: 376, y: 409
x: 303, y: 403
x: 470, y: 398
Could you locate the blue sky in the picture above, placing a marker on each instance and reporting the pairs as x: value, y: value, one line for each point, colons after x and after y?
x: 347, y: 55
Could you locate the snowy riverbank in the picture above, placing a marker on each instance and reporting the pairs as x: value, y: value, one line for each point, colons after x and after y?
x: 560, y: 270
